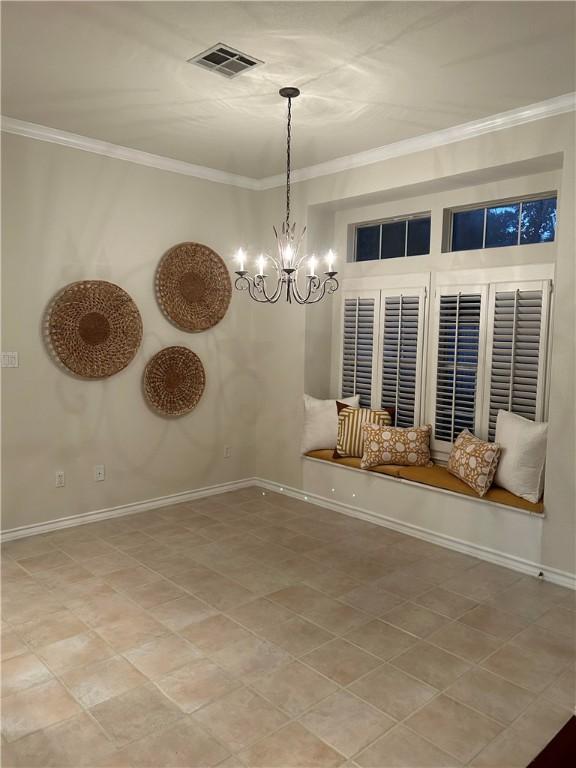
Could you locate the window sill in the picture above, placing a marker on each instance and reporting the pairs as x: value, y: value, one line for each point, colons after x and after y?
x: 435, y: 479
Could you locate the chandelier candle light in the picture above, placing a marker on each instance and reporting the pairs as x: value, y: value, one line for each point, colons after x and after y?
x: 287, y: 265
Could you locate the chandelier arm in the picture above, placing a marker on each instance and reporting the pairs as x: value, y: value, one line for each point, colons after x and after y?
x: 296, y: 292
x: 278, y: 291
x: 273, y: 298
x: 316, y: 289
x: 260, y: 286
x: 246, y: 283
x: 329, y: 285
x: 313, y: 286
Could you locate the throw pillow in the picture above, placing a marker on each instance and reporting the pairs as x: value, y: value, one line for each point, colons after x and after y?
x: 350, y: 423
x: 321, y: 422
x: 474, y: 461
x: 521, y: 466
x: 396, y: 445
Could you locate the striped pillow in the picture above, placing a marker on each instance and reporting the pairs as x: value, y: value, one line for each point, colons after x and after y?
x: 350, y: 421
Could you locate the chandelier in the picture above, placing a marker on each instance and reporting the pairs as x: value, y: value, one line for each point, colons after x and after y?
x: 287, y: 267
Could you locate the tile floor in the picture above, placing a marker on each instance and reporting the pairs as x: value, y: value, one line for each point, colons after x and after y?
x: 258, y: 630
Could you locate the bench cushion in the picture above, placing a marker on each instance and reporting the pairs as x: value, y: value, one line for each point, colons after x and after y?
x: 354, y: 461
x: 437, y: 477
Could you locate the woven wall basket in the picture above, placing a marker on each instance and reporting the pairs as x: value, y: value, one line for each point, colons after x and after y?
x: 193, y: 287
x: 93, y: 328
x: 174, y: 381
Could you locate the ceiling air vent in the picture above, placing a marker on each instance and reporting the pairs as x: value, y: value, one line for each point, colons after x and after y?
x: 225, y: 60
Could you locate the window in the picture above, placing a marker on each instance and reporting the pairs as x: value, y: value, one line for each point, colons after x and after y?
x: 393, y: 239
x: 368, y: 243
x: 490, y: 354
x: 538, y: 219
x: 382, y: 345
x: 504, y: 224
x: 418, y: 242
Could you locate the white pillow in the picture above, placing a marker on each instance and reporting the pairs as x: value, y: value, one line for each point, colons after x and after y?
x: 321, y: 422
x: 523, y: 443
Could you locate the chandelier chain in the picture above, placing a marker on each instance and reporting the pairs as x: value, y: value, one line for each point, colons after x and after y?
x: 288, y: 140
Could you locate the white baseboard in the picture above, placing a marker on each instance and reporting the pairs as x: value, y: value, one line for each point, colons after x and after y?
x: 562, y: 578
x: 124, y: 509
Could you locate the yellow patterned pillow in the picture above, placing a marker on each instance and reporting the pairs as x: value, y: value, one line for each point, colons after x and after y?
x: 474, y: 461
x: 350, y: 423
x: 394, y: 445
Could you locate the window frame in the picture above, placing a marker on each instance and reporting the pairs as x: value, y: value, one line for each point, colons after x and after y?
x: 452, y: 288
x: 361, y: 294
x: 486, y: 281
x: 448, y: 234
x: 395, y: 285
x: 389, y: 220
x: 490, y: 280
x: 422, y: 293
x: 495, y: 287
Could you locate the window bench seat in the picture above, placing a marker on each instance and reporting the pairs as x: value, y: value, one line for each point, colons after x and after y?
x: 437, y: 477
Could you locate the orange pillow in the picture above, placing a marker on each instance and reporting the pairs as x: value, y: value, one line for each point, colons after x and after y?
x: 474, y: 461
x: 408, y: 447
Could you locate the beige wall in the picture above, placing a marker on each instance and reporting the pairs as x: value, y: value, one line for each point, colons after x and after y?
x: 71, y: 215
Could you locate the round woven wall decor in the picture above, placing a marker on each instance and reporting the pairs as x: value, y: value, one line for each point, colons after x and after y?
x: 174, y: 381
x: 193, y: 286
x: 93, y: 328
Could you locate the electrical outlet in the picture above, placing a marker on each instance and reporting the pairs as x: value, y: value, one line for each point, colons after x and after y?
x: 9, y: 359
x: 99, y: 473
x: 60, y: 480
x: 227, y: 451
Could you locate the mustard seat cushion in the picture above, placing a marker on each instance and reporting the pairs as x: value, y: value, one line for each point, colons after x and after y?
x: 437, y: 477
x: 354, y: 461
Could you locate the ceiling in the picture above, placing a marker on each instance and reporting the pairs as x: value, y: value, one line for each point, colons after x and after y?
x: 371, y: 73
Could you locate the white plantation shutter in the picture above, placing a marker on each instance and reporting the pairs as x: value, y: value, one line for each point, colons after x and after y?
x: 402, y: 331
x: 359, y: 346
x: 486, y: 350
x: 459, y: 326
x: 519, y: 329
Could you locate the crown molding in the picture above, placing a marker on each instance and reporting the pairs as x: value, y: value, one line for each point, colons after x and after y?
x: 541, y: 110
x: 559, y: 105
x: 117, y: 152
